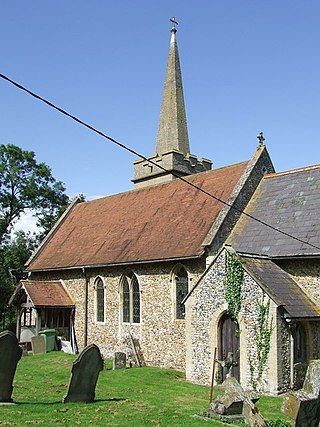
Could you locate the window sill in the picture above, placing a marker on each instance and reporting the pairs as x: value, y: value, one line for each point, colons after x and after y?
x: 130, y: 324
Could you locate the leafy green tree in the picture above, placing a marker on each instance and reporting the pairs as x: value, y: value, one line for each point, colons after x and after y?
x: 24, y: 184
x: 27, y: 184
x: 14, y: 254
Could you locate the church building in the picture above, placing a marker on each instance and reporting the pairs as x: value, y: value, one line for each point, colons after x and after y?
x: 152, y: 264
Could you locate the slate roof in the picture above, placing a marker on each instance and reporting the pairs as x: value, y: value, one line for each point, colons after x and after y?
x: 43, y: 294
x: 281, y: 288
x: 289, y: 201
x: 165, y: 221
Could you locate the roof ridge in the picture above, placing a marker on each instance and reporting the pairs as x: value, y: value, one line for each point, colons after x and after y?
x: 148, y: 188
x: 291, y: 171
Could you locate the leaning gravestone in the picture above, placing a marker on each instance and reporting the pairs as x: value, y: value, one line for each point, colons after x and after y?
x: 303, y: 406
x: 10, y: 354
x: 84, y: 375
x: 235, y: 403
x: 120, y: 360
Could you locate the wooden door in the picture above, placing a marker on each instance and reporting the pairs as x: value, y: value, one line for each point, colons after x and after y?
x: 228, y: 334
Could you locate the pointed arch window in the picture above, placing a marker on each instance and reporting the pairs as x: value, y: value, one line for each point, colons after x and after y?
x: 100, y: 306
x: 130, y: 299
x: 181, y: 285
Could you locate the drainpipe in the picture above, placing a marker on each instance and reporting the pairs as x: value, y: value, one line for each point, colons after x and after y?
x: 85, y: 326
x: 291, y: 330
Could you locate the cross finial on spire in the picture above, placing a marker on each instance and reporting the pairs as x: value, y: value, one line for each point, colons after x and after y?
x: 174, y: 23
x: 261, y: 138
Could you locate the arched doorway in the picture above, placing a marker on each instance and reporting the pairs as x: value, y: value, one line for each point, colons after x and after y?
x: 228, y: 341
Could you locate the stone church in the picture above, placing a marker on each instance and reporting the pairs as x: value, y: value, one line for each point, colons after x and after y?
x: 150, y: 263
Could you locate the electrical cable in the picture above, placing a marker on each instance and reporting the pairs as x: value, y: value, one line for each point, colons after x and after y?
x: 114, y: 141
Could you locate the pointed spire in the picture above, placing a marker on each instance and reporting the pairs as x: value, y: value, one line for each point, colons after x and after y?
x: 173, y: 132
x: 172, y: 152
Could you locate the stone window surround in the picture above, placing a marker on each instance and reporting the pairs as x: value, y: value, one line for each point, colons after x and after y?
x: 129, y: 275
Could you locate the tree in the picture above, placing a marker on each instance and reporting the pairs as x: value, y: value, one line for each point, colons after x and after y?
x: 14, y: 254
x: 27, y: 184
x: 24, y: 184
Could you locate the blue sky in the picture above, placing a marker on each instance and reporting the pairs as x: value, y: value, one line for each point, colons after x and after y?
x: 247, y: 66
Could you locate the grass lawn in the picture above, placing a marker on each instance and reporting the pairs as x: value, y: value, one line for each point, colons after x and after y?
x: 132, y: 397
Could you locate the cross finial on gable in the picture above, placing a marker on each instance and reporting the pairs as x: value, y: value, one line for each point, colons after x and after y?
x: 174, y: 23
x: 261, y: 138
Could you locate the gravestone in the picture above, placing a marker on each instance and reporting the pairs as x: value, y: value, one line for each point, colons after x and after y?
x: 231, y: 403
x: 303, y: 406
x: 84, y: 375
x: 236, y: 403
x: 252, y: 415
x: 10, y: 354
x: 38, y: 344
x: 120, y: 360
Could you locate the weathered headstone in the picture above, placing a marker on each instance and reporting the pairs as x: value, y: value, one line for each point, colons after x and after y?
x: 10, y: 354
x: 303, y: 406
x: 251, y: 414
x: 120, y: 360
x: 84, y: 375
x: 237, y: 402
x: 231, y: 402
x: 38, y: 344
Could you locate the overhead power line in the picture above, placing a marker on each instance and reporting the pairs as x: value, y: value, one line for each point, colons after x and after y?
x: 119, y: 144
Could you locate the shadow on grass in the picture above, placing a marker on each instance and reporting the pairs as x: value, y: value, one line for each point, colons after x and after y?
x: 112, y: 399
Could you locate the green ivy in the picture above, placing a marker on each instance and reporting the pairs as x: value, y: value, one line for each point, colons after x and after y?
x: 263, y: 331
x: 233, y: 283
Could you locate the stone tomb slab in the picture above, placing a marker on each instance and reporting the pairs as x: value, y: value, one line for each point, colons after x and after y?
x: 10, y: 354
x: 84, y: 375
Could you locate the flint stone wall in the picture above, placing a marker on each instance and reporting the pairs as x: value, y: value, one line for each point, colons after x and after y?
x: 205, y: 308
x: 307, y: 275
x: 161, y: 336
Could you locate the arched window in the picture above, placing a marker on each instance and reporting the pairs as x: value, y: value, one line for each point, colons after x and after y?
x: 135, y: 300
x: 300, y: 343
x: 126, y: 300
x: 130, y: 298
x: 181, y: 282
x: 99, y: 285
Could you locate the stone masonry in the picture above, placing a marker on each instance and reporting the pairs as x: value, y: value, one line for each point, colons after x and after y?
x: 161, y: 336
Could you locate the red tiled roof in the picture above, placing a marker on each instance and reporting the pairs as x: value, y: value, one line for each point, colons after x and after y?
x: 47, y: 294
x: 159, y: 222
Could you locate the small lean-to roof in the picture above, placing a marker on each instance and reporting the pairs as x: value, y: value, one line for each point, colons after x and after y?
x: 43, y: 294
x: 281, y: 288
x: 289, y: 201
x: 164, y: 221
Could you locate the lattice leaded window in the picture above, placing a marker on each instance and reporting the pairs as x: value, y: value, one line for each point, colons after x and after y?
x: 126, y: 300
x: 135, y: 300
x: 100, y: 300
x: 130, y: 299
x: 181, y: 292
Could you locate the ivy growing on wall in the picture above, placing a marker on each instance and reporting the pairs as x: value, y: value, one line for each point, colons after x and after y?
x: 262, y: 331
x: 233, y: 283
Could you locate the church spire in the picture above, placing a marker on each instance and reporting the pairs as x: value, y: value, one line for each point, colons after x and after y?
x: 172, y: 149
x: 173, y: 132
